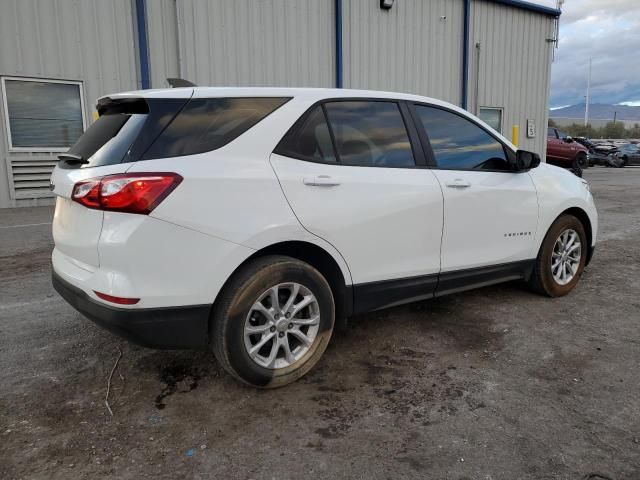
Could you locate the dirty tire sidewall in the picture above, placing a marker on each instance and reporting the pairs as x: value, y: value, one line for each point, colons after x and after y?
x: 543, y: 274
x: 239, y: 295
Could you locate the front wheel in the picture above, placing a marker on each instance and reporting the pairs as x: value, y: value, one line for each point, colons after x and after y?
x: 581, y: 161
x: 561, y: 258
x: 273, y: 321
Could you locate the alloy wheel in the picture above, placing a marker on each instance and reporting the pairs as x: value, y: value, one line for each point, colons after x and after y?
x: 565, y: 258
x: 281, y: 325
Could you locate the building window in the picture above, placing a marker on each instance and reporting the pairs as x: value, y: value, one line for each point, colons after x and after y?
x: 42, y: 115
x: 492, y: 117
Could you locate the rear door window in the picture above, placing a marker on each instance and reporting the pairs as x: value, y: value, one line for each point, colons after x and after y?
x: 206, y: 124
x: 370, y: 133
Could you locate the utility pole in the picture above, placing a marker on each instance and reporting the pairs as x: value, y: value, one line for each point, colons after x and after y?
x: 586, y: 107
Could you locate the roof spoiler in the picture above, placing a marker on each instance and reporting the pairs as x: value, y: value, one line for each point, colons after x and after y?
x: 180, y: 82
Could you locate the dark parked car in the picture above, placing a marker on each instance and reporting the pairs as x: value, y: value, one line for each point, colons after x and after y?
x: 629, y: 154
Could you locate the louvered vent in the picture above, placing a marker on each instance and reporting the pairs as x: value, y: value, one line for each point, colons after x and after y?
x: 31, y: 176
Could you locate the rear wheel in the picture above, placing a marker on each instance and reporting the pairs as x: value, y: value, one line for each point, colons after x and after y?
x: 561, y: 259
x: 273, y: 321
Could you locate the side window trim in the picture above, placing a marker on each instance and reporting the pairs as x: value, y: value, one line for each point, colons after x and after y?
x: 332, y: 135
x: 419, y: 154
x: 507, y: 151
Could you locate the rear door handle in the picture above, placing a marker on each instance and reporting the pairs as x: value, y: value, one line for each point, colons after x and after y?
x: 458, y: 183
x: 320, y: 181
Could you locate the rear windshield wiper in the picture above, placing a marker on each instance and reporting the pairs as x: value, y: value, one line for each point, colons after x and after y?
x: 71, y: 158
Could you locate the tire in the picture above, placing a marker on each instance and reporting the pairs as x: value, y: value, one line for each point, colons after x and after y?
x: 542, y: 278
x: 625, y: 162
x: 235, y: 312
x: 577, y: 171
x: 581, y: 161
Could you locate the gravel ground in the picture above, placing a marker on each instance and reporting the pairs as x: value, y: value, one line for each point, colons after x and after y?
x: 492, y: 384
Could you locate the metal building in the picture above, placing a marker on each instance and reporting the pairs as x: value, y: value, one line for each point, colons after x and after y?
x: 492, y: 57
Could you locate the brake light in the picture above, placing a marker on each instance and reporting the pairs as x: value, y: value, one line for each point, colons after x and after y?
x: 128, y: 192
x: 118, y: 300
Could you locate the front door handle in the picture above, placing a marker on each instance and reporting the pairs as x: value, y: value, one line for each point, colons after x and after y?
x: 320, y: 181
x: 458, y: 183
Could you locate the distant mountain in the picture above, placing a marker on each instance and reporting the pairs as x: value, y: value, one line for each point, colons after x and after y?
x: 598, y: 111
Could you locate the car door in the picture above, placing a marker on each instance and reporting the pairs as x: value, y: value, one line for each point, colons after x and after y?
x: 553, y: 144
x: 490, y: 212
x: 353, y: 177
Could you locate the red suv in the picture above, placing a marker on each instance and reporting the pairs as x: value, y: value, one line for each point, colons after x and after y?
x: 564, y: 152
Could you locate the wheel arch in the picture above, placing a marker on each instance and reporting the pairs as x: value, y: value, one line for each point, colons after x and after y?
x: 318, y: 258
x: 584, y: 219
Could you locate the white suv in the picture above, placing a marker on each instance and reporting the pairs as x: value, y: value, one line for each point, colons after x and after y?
x: 247, y: 220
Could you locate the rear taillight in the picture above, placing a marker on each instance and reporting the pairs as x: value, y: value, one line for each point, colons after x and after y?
x: 128, y: 192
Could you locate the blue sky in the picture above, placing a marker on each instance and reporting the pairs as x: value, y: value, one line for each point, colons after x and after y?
x: 609, y: 32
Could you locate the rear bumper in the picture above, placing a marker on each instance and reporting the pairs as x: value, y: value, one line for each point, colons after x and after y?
x: 163, y: 328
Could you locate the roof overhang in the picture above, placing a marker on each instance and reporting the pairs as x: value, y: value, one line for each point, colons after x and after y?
x: 532, y: 7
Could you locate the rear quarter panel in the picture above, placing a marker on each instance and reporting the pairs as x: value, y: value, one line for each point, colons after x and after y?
x: 233, y: 193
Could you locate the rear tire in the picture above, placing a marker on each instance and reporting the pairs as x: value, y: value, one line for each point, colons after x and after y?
x: 289, y: 339
x: 564, y: 250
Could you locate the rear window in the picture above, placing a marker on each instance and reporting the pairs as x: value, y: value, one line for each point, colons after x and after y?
x: 108, y: 139
x: 206, y: 124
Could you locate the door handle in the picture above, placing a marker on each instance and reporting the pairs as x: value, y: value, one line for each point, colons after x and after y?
x: 458, y: 183
x: 320, y: 181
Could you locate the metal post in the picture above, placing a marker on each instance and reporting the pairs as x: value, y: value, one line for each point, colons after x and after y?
x: 586, y: 108
x: 143, y: 44
x: 338, y: 13
x: 465, y: 51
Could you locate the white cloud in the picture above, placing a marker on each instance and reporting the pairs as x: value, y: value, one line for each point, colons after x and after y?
x: 607, y: 31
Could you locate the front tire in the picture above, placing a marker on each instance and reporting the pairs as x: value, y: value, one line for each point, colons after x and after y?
x: 581, y: 161
x: 561, y: 258
x: 273, y: 321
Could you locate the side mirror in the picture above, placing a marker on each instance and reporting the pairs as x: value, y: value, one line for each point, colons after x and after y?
x: 568, y: 139
x: 526, y: 160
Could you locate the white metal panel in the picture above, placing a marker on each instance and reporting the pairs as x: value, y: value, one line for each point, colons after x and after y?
x: 511, y: 68
x: 162, y: 31
x: 90, y: 41
x: 265, y: 43
x: 414, y: 47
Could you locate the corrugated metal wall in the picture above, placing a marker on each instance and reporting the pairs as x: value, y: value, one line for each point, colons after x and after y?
x: 514, y: 67
x: 415, y: 47
x: 265, y: 43
x: 85, y: 40
x: 162, y: 32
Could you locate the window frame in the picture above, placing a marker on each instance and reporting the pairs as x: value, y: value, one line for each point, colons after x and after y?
x: 5, y: 106
x: 428, y: 149
x: 499, y: 109
x: 419, y: 155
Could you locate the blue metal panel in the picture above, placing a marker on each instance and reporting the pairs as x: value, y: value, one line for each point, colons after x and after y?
x: 338, y: 7
x: 532, y: 7
x: 465, y: 51
x: 143, y: 43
